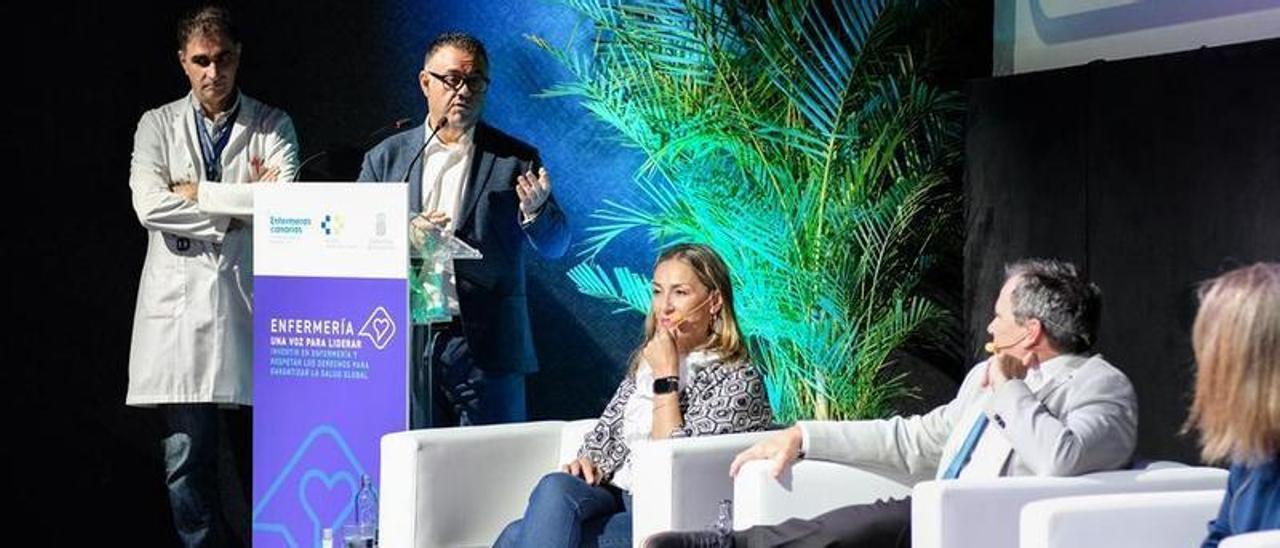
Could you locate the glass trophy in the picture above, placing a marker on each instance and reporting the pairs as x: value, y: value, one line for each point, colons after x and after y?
x: 430, y: 250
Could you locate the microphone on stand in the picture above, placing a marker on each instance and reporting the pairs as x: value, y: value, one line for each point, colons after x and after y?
x: 376, y: 134
x: 431, y: 331
x: 444, y: 121
x: 382, y: 131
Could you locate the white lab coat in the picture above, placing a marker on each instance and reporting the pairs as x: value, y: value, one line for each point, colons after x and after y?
x: 192, y: 327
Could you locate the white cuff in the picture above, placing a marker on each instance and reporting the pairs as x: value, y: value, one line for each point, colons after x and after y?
x: 526, y: 220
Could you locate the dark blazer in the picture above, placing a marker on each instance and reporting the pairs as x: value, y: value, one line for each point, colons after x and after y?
x: 491, y: 291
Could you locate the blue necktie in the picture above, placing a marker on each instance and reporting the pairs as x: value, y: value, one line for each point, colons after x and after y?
x: 966, y: 450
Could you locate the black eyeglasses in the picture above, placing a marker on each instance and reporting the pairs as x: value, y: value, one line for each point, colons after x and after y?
x: 477, y: 83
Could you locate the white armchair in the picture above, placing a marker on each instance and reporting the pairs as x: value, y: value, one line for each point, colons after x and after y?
x: 964, y: 513
x: 448, y: 487
x: 1133, y: 520
x: 944, y: 514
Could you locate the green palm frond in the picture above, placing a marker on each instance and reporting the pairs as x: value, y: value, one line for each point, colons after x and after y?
x: 815, y: 62
x: 627, y: 289
x: 802, y: 141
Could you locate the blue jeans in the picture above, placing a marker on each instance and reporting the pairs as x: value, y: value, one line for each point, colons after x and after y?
x: 565, y: 511
x: 191, y: 472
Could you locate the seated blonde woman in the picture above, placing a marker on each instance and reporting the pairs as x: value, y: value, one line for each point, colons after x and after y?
x: 691, y: 377
x: 1237, y: 405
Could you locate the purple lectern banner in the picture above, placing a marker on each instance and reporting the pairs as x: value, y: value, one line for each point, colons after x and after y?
x: 330, y: 379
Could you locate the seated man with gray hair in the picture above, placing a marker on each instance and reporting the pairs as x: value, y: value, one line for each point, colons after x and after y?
x: 1042, y: 405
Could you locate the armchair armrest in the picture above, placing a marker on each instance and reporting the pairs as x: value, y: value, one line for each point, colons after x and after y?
x: 679, y: 483
x: 1133, y: 520
x: 1259, y: 539
x: 460, y: 486
x: 808, y: 489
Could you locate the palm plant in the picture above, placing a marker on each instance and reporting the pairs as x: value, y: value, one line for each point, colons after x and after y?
x: 803, y: 142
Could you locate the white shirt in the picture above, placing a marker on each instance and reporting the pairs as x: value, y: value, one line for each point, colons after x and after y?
x: 637, y: 414
x: 444, y: 183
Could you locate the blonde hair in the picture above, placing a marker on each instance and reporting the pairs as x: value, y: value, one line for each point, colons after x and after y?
x: 1236, y: 338
x: 726, y: 339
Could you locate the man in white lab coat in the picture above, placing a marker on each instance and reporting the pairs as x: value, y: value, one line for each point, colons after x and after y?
x: 191, y: 353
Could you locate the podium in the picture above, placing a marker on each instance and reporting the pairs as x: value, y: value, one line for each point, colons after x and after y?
x: 429, y: 251
x: 331, y: 350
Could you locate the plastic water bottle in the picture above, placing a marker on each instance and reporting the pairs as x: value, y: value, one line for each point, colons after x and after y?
x: 364, y: 532
x: 367, y: 503
x: 724, y: 518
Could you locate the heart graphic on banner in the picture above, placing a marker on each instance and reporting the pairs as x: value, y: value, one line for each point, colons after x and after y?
x: 380, y: 327
x: 325, y: 500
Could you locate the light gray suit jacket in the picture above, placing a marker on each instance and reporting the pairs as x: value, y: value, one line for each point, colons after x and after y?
x: 1084, y: 419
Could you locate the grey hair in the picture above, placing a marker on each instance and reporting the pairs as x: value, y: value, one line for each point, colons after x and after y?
x: 1054, y: 292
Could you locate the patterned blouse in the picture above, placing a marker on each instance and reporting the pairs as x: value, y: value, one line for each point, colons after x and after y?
x: 721, y: 399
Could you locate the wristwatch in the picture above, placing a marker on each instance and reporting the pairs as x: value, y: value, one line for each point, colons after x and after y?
x: 666, y: 385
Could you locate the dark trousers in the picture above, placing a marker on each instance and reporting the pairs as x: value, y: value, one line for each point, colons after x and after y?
x: 200, y: 439
x: 458, y: 392
x: 881, y: 524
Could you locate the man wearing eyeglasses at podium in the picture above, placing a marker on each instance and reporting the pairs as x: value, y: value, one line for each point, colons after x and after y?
x: 491, y: 191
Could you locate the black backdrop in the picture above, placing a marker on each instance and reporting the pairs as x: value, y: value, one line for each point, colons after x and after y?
x: 1152, y: 174
x: 81, y: 466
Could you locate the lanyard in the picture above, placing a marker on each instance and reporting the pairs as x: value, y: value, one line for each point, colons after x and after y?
x: 212, y: 145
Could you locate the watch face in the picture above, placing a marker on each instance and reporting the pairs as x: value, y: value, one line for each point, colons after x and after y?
x: 666, y: 385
